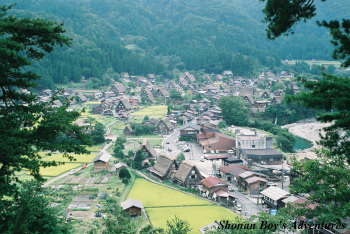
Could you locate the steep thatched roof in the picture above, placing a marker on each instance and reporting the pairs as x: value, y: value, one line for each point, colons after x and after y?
x: 184, y: 171
x: 149, y: 148
x: 163, y: 164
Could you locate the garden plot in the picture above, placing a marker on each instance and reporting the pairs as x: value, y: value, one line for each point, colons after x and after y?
x: 82, y: 201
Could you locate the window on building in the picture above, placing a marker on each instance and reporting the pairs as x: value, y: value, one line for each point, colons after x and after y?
x: 253, y: 146
x: 271, y: 159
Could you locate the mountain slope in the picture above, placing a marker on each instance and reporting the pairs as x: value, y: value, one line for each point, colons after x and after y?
x: 160, y: 36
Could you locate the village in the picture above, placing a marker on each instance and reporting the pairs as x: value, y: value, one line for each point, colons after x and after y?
x: 178, y: 128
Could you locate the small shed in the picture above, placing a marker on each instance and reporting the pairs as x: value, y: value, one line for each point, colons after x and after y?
x: 132, y: 207
x: 119, y: 166
x: 101, y: 161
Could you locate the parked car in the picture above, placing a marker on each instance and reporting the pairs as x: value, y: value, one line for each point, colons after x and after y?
x: 271, y: 184
x: 202, y: 159
x: 186, y: 149
x: 239, y: 207
x: 167, y: 142
x: 170, y: 150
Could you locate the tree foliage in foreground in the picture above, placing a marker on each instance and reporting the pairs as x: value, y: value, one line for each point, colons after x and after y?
x: 25, y: 126
x: 30, y: 213
x: 327, y: 178
x: 281, y: 16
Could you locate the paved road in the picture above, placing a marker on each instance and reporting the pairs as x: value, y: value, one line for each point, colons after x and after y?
x: 248, y: 207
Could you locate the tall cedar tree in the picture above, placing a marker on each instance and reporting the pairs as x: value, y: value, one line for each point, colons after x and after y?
x: 25, y: 126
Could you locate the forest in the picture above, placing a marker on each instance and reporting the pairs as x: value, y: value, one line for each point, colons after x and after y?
x: 145, y: 36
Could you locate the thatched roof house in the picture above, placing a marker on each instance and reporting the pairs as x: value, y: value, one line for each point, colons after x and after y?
x: 164, y: 167
x: 187, y: 174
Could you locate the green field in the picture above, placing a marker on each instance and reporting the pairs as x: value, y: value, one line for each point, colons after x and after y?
x: 158, y: 111
x: 197, y: 216
x: 55, y: 171
x: 153, y: 195
x: 163, y: 204
x: 80, y: 158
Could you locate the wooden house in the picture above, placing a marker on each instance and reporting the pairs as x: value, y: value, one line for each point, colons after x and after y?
x: 118, y: 88
x: 164, y: 126
x: 128, y: 130
x: 277, y: 100
x: 122, y: 104
x: 119, y: 166
x: 188, y: 77
x: 165, y: 167
x: 216, y: 189
x: 101, y: 161
x: 273, y: 196
x: 147, y: 150
x: 132, y: 207
x: 161, y: 92
x: 187, y: 175
x: 252, y: 182
x: 190, y: 130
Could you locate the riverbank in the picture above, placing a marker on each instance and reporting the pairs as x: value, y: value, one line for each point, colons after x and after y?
x: 309, y: 129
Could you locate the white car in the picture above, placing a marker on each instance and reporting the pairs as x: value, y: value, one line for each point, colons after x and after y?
x: 202, y: 159
x: 238, y: 207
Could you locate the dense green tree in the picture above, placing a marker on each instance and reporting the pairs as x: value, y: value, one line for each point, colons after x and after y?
x: 119, y: 147
x: 30, y: 212
x: 177, y: 226
x: 25, y: 126
x: 142, y: 129
x: 233, y: 110
x: 137, y: 164
x: 97, y: 133
x: 180, y: 157
x: 124, y: 173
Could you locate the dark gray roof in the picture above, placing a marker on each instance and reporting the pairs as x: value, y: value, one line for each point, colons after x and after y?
x: 191, y: 125
x: 104, y: 157
x: 131, y: 203
x: 261, y: 153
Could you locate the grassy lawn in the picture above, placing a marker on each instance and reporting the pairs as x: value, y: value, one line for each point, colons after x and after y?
x: 197, y: 216
x: 80, y: 158
x: 153, y: 195
x: 158, y: 111
x: 163, y: 204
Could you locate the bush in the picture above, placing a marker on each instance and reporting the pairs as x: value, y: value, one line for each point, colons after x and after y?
x: 125, y: 181
x: 124, y: 173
